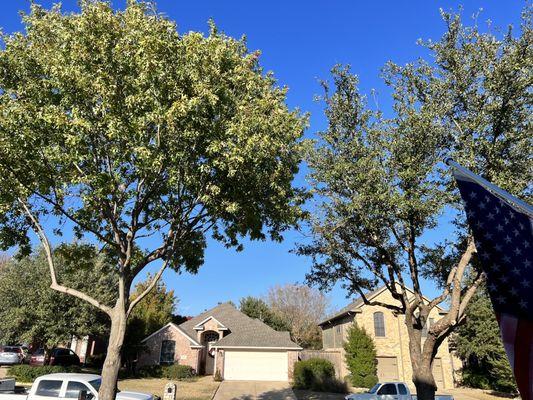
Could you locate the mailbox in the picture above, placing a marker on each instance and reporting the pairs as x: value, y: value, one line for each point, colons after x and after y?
x: 170, y: 391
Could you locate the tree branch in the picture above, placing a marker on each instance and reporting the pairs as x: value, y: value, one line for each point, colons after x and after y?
x: 53, y: 274
x: 135, y: 301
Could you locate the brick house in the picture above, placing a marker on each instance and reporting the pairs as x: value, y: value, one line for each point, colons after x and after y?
x: 390, y: 338
x: 224, y: 339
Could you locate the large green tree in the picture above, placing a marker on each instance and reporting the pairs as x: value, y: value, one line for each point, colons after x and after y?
x: 117, y: 128
x: 32, y: 312
x: 382, y: 191
x: 257, y: 308
x: 479, y: 345
x: 154, y: 311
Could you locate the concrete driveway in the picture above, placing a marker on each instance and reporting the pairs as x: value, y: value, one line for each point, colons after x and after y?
x: 254, y: 390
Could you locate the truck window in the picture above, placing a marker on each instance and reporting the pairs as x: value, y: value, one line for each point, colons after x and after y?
x: 49, y: 388
x: 74, y: 389
x: 388, y: 388
x: 402, y: 389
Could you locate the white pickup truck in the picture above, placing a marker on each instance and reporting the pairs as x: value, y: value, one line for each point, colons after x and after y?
x: 64, y: 387
x: 390, y: 391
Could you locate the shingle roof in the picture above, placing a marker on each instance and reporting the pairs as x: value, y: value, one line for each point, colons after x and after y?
x: 244, y: 331
x: 358, y: 303
x: 352, y: 307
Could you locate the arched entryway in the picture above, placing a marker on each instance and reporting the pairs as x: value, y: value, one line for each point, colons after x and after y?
x: 208, y: 339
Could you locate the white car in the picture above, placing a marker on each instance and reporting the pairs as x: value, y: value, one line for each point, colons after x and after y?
x: 10, y: 355
x: 390, y: 391
x: 68, y: 386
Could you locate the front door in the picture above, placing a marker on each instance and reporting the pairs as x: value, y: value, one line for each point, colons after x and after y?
x: 209, y: 338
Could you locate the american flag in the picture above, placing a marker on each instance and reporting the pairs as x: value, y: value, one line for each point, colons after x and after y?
x: 502, y: 230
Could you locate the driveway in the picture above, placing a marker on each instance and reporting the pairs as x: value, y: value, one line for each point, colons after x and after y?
x: 253, y: 390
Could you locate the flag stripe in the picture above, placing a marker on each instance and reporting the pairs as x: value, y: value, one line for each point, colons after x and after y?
x: 523, y: 368
x: 508, y: 328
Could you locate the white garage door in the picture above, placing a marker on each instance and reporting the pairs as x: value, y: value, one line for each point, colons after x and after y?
x: 256, y: 365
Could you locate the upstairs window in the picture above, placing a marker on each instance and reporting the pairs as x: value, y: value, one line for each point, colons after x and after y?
x: 379, y: 324
x: 426, y: 327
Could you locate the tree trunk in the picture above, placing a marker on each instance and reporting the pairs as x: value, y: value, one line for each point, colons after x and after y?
x: 423, y: 378
x: 112, y: 361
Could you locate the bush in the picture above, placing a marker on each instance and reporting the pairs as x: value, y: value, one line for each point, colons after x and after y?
x: 178, y: 372
x: 317, y: 374
x: 96, y: 361
x: 27, y: 373
x: 175, y: 372
x: 360, y: 358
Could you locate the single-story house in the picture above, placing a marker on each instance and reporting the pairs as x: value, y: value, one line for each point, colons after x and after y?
x: 224, y: 339
x: 390, y: 337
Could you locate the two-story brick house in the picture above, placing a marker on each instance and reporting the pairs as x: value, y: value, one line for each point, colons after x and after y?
x: 390, y: 337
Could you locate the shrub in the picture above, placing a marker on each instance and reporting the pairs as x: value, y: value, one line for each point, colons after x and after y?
x: 178, y: 372
x: 360, y: 358
x: 27, y: 373
x: 175, y: 371
x: 96, y: 361
x: 317, y: 374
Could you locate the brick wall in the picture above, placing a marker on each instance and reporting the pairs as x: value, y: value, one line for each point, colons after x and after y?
x: 395, y: 343
x: 183, y: 354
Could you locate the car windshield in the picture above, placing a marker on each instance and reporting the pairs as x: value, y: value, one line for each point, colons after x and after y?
x: 96, y: 384
x: 374, y: 389
x: 39, y: 352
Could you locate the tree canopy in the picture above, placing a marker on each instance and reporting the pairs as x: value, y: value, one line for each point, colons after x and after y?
x: 381, y: 188
x: 121, y: 131
x: 257, y: 308
x: 32, y: 312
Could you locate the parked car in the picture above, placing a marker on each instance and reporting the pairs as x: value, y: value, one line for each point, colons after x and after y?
x: 10, y: 355
x: 66, y: 386
x: 38, y: 357
x: 390, y: 391
x: 64, y: 357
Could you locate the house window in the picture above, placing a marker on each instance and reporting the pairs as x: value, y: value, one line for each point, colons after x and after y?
x: 168, y: 349
x: 379, y: 324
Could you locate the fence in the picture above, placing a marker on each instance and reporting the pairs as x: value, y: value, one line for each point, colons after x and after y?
x: 333, y: 356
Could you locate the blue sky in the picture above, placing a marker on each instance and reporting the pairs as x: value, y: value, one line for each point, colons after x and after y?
x: 300, y: 41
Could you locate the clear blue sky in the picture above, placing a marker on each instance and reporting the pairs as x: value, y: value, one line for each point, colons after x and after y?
x: 300, y: 41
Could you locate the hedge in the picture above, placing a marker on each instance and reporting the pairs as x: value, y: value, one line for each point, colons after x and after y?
x: 175, y: 372
x: 28, y: 373
x: 317, y: 374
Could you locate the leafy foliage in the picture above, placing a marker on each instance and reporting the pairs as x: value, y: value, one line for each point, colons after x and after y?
x: 27, y: 373
x: 175, y: 372
x: 139, y: 136
x: 317, y: 374
x: 380, y: 186
x: 360, y: 355
x: 479, y: 344
x: 259, y: 309
x: 34, y: 313
x: 154, y: 311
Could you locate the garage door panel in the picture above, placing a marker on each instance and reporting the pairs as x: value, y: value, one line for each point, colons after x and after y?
x: 387, y: 369
x: 256, y: 365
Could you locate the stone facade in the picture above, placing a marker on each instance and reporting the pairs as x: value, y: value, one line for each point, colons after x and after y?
x: 293, y: 358
x: 184, y: 354
x: 395, y: 342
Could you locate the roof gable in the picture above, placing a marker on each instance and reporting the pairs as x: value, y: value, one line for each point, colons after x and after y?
x: 175, y: 327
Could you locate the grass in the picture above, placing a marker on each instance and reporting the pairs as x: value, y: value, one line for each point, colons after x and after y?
x: 201, y: 388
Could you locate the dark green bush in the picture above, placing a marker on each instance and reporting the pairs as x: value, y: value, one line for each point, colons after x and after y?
x: 28, y: 373
x: 96, y: 361
x: 317, y: 374
x: 175, y: 371
x: 178, y: 372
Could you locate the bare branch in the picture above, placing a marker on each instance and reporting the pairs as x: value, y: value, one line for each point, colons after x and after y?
x: 154, y: 281
x: 53, y: 274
